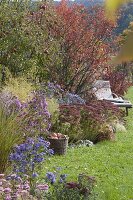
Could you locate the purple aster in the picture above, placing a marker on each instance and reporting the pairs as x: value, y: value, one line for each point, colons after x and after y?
x: 51, y: 177
x: 8, y: 197
x: 30, y: 141
x: 34, y: 175
x: 62, y: 178
x: 7, y: 190
x: 51, y: 151
x: 26, y: 187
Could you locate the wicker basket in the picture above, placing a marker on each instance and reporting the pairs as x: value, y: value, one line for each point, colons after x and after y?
x: 59, y: 145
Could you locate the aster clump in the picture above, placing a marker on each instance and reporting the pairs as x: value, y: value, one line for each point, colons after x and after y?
x: 37, y: 117
x: 26, y: 158
x: 33, y: 114
x: 10, y: 103
x: 70, y: 99
x: 64, y: 97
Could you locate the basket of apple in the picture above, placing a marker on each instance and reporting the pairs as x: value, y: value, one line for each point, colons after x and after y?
x: 58, y: 142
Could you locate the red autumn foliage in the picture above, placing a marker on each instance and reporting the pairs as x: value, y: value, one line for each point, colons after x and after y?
x: 87, y: 120
x: 118, y: 81
x: 99, y: 111
x: 86, y: 45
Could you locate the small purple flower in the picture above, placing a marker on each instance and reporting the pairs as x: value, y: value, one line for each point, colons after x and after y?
x: 19, y: 179
x: 8, y: 178
x: 26, y: 186
x: 22, y: 147
x: 41, y: 139
x: 62, y: 178
x: 38, y: 159
x: 58, y: 86
x: 8, y: 197
x: 37, y: 145
x: 34, y: 175
x: 46, y: 144
x: 51, y: 151
x: 18, y: 103
x: 7, y: 190
x: 30, y: 141
x: 48, y: 114
x: 51, y: 177
x: 13, y: 176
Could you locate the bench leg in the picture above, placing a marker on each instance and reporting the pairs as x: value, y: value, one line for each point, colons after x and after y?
x: 126, y: 111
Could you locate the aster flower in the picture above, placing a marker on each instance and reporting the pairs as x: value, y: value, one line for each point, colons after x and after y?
x: 51, y: 177
x: 7, y: 190
x: 8, y: 197
x: 62, y: 178
x: 26, y: 186
x: 34, y: 175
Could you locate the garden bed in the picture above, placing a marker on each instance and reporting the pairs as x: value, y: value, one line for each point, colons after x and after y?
x: 110, y: 162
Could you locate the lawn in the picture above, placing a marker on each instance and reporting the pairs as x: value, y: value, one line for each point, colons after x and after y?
x: 110, y: 162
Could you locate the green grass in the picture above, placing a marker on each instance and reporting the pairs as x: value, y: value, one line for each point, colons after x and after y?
x: 110, y: 162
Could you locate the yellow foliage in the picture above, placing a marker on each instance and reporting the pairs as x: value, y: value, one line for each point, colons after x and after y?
x: 19, y: 87
x: 53, y: 108
x: 53, y: 105
x: 112, y: 6
x: 126, y: 52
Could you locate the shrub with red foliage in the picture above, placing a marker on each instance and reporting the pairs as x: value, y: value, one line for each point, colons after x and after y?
x: 118, y: 81
x: 105, y: 109
x: 87, y: 120
x: 86, y: 42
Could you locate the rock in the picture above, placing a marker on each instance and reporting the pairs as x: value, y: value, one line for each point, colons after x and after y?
x: 84, y: 143
x: 120, y: 127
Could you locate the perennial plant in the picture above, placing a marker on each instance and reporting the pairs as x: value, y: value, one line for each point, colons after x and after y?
x: 26, y: 158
